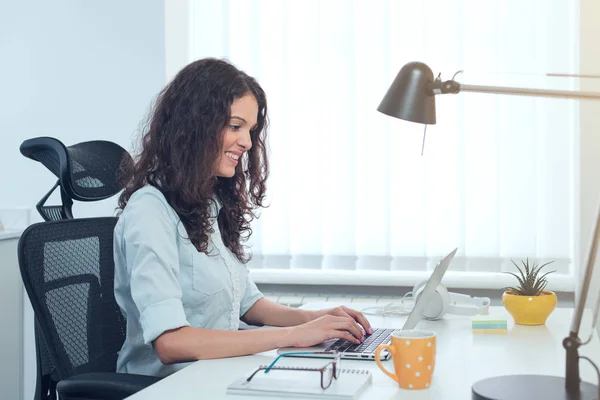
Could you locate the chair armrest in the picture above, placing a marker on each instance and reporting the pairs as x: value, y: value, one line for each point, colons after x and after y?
x: 103, y: 385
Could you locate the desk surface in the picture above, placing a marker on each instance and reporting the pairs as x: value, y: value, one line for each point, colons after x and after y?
x: 462, y: 359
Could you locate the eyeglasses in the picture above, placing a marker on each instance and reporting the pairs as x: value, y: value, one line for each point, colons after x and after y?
x: 329, y: 371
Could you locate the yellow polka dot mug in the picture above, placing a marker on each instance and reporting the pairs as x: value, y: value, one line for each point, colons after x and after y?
x: 413, y: 353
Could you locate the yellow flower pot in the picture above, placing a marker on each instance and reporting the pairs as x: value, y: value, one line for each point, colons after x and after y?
x: 529, y: 310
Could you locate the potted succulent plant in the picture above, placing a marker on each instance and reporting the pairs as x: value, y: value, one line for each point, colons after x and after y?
x: 528, y: 302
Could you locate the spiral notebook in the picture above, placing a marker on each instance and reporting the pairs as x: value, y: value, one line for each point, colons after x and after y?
x: 304, y: 384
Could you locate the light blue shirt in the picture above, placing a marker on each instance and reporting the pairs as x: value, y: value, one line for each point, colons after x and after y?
x: 162, y: 282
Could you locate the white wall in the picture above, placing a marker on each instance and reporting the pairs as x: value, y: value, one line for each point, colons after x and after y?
x: 75, y: 70
x: 177, y: 36
x: 590, y: 138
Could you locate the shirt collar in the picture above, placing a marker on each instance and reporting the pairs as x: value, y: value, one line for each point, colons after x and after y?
x: 215, y: 207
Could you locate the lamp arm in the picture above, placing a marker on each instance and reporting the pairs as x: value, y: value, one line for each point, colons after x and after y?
x: 587, y: 277
x: 451, y: 86
x: 530, y: 92
x: 572, y: 342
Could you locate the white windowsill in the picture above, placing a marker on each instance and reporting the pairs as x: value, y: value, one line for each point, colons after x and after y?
x: 452, y: 279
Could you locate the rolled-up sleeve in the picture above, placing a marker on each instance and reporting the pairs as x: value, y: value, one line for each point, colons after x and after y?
x: 150, y: 239
x: 251, y: 296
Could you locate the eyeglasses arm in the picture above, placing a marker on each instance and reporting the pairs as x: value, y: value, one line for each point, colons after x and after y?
x: 286, y: 355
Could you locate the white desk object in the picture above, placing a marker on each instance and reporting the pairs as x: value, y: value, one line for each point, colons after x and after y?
x: 17, y: 346
x: 11, y: 315
x: 462, y: 359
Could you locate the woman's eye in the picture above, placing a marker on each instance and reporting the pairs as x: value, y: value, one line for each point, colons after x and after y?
x: 234, y: 127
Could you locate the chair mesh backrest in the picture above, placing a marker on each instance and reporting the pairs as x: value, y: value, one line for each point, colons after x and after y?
x: 95, y: 168
x: 68, y: 271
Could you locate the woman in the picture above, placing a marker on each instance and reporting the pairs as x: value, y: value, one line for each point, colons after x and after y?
x: 180, y: 274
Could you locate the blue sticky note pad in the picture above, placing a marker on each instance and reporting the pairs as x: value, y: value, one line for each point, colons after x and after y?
x: 489, y: 326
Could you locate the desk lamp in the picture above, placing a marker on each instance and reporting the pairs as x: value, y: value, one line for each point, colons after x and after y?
x: 411, y: 97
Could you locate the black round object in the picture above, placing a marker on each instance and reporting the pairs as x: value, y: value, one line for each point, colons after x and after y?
x: 530, y: 387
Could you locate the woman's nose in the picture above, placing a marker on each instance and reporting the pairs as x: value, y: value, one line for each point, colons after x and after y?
x: 245, y: 140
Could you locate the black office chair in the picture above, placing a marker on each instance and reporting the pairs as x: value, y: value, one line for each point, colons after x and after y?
x: 67, y: 267
x: 87, y: 171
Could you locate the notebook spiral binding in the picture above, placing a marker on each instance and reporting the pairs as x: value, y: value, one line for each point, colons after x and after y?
x: 354, y: 371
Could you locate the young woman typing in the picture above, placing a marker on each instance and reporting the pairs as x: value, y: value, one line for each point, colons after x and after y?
x: 180, y: 274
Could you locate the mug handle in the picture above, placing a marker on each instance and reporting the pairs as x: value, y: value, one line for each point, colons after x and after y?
x: 377, y: 353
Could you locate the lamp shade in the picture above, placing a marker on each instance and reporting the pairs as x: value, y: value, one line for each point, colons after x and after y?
x: 410, y: 97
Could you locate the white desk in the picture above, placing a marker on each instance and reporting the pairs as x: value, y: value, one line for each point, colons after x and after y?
x: 462, y: 359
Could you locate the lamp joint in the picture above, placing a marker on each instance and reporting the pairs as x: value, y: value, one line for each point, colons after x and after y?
x: 442, y: 87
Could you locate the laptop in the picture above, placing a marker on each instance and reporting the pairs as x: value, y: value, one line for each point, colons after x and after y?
x: 366, y: 350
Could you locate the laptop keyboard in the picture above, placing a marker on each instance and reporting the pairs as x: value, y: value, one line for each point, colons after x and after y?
x: 369, y: 346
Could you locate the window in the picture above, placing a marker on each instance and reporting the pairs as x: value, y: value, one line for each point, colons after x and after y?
x: 352, y: 199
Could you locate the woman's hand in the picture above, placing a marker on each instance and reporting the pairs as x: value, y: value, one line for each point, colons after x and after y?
x: 323, y: 328
x: 343, y: 311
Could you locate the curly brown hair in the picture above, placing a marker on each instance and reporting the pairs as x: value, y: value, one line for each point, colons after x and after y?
x: 182, y: 143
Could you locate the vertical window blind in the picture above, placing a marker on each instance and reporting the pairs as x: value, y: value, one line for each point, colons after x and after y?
x: 351, y: 198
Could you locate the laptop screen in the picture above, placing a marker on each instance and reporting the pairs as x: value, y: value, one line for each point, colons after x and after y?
x: 434, y: 280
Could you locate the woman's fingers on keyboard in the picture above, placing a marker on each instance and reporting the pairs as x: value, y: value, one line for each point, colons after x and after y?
x: 345, y: 335
x: 343, y: 311
x: 348, y: 324
x: 360, y: 318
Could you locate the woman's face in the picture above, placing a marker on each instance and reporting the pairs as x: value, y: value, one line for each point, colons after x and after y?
x: 236, y: 137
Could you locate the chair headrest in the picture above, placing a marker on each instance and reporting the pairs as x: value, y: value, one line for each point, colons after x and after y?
x: 88, y: 171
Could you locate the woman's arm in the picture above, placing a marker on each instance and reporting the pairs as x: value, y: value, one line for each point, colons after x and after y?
x: 266, y: 312
x: 189, y: 344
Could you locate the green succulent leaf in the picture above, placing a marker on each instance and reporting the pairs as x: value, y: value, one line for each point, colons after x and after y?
x: 531, y: 281
x: 521, y: 282
x: 539, y: 286
x: 544, y: 275
x: 520, y: 271
x: 549, y: 262
x: 526, y: 266
x: 513, y: 289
